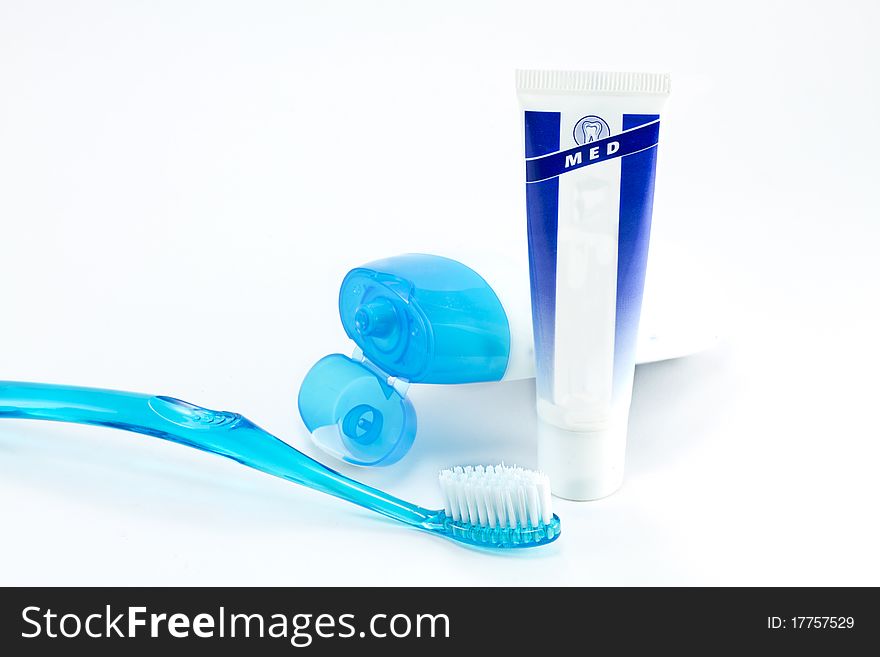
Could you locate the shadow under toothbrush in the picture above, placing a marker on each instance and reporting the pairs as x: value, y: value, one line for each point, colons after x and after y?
x: 91, y: 465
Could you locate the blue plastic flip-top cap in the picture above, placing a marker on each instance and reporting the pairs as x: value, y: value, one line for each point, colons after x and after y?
x: 415, y: 319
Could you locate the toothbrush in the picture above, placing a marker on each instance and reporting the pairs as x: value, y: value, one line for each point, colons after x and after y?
x: 489, y: 507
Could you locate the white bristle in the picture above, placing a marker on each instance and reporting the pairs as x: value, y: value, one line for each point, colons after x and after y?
x: 509, y: 505
x: 521, y: 515
x: 496, y: 496
x: 489, y: 499
x: 544, y: 500
x: 463, y: 513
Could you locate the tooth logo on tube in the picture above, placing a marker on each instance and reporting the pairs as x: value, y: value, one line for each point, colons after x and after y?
x: 628, y: 142
x: 590, y: 128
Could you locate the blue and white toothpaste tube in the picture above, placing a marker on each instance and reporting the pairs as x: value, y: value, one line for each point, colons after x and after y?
x: 590, y: 155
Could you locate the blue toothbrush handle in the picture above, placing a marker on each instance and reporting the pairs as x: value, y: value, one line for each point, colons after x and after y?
x: 220, y: 432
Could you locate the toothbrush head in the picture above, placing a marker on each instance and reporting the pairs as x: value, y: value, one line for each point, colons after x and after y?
x: 498, y: 506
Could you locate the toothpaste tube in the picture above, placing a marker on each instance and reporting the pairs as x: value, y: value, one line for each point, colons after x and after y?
x: 590, y: 155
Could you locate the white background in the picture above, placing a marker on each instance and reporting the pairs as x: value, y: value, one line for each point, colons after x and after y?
x: 183, y: 185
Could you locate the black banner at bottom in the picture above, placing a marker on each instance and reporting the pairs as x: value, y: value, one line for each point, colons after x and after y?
x: 400, y: 620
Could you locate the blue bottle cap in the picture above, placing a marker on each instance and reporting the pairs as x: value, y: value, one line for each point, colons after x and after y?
x: 415, y: 318
x: 355, y: 413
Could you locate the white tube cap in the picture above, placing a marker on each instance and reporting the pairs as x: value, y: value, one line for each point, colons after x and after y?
x: 582, y: 465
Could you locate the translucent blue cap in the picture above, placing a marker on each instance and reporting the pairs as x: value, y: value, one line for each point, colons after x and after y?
x: 354, y: 413
x: 415, y: 319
